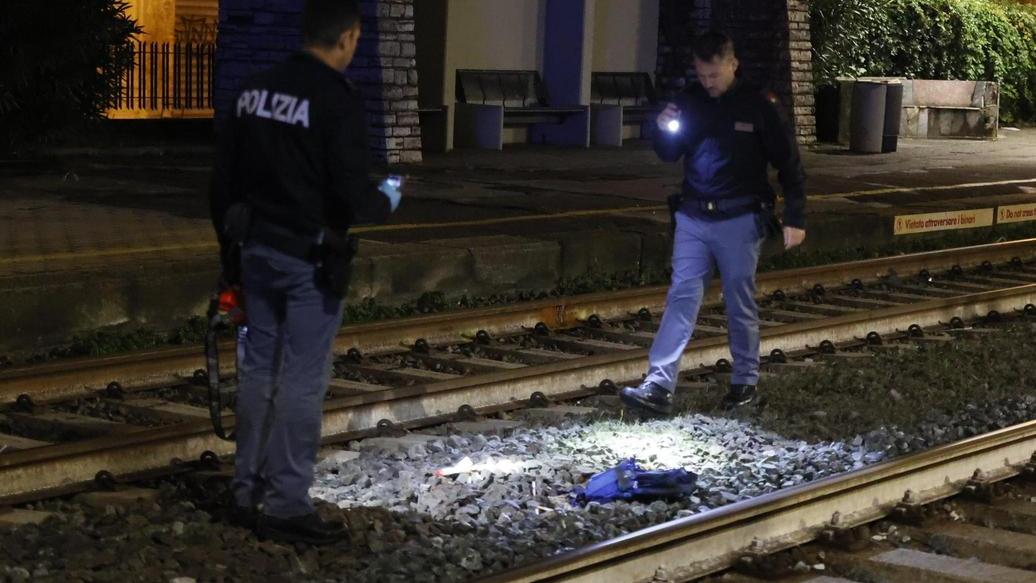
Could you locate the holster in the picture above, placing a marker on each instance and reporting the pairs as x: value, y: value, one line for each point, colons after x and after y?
x: 673, y: 201
x: 237, y: 223
x: 769, y: 224
x: 334, y: 264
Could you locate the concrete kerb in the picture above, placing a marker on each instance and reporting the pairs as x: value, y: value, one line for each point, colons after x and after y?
x: 38, y: 311
x: 509, y: 262
x: 598, y: 251
x: 407, y: 270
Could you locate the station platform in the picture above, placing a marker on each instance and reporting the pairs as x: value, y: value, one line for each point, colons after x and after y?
x: 98, y: 237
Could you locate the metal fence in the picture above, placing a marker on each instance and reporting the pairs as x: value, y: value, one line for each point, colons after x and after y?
x: 168, y: 77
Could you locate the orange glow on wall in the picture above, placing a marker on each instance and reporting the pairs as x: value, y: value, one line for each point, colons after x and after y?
x: 171, y: 29
x: 156, y: 17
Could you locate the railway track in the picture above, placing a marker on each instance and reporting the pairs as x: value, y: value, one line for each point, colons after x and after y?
x: 837, y: 511
x: 66, y: 378
x: 72, y: 423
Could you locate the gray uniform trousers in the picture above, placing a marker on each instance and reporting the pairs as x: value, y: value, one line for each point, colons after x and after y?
x: 282, y: 380
x: 699, y: 245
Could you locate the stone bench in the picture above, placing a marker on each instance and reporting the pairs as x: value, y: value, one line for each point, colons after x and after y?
x: 490, y: 100
x: 936, y: 109
x: 950, y: 109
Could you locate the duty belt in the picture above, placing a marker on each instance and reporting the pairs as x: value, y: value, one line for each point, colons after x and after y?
x: 723, y: 206
x: 285, y: 240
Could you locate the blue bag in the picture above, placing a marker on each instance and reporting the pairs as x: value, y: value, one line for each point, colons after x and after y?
x: 627, y: 481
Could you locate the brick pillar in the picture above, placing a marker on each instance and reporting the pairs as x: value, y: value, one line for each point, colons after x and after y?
x: 385, y: 68
x: 256, y: 34
x: 773, y: 45
x: 800, y: 49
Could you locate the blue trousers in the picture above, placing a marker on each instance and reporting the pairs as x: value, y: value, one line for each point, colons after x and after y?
x: 700, y: 245
x: 282, y: 379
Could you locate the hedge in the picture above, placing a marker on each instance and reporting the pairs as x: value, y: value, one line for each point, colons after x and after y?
x: 59, y: 65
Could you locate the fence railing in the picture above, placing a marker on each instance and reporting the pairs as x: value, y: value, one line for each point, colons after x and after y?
x: 168, y: 77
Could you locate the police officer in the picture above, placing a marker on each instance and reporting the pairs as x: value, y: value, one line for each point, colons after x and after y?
x: 727, y: 132
x: 293, y: 156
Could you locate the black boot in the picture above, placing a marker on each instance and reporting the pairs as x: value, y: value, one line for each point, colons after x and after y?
x: 308, y: 529
x: 649, y: 397
x: 226, y: 509
x: 738, y: 396
x: 241, y: 516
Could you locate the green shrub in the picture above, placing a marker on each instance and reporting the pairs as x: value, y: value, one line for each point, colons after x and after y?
x: 931, y: 39
x: 59, y: 65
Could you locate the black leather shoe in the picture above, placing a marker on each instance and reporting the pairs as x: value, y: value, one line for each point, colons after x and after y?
x: 649, y: 397
x: 308, y: 529
x: 738, y: 396
x: 241, y: 516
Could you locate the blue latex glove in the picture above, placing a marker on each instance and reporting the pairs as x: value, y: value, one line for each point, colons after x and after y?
x: 390, y: 190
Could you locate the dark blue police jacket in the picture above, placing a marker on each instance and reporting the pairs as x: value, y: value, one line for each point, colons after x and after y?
x: 296, y: 148
x: 727, y: 143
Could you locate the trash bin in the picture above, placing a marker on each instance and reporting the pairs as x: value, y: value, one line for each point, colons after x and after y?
x: 827, y: 110
x: 867, y: 126
x: 893, y: 116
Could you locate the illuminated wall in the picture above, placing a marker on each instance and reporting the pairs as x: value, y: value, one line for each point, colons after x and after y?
x: 615, y: 35
x: 156, y: 17
x: 492, y: 34
x: 196, y: 20
x: 625, y: 35
x: 179, y: 20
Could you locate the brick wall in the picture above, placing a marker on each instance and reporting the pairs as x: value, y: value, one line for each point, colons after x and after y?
x: 773, y: 45
x: 256, y: 34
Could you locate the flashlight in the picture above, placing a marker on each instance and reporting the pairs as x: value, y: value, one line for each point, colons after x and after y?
x: 673, y: 126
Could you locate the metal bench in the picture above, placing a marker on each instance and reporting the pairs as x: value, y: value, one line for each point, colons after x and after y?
x: 618, y: 100
x: 490, y: 100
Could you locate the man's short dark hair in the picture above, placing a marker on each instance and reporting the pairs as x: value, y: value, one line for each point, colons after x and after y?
x: 713, y: 45
x: 324, y: 21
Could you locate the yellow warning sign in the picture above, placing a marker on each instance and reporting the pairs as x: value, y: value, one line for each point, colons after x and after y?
x: 929, y: 222
x: 1016, y: 213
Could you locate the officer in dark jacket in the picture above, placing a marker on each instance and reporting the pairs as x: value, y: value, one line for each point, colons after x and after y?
x: 291, y: 177
x: 727, y: 133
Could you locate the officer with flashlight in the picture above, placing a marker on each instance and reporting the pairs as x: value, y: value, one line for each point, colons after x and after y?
x: 727, y: 133
x: 292, y: 175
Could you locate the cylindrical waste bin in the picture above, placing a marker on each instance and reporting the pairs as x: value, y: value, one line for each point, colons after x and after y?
x: 868, y: 117
x: 893, y: 116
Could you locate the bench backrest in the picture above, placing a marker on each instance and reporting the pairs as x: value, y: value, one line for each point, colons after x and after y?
x: 631, y: 89
x: 941, y: 93
x: 944, y: 93
x: 506, y: 88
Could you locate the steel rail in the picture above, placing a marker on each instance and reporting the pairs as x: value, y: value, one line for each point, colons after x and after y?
x: 69, y: 378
